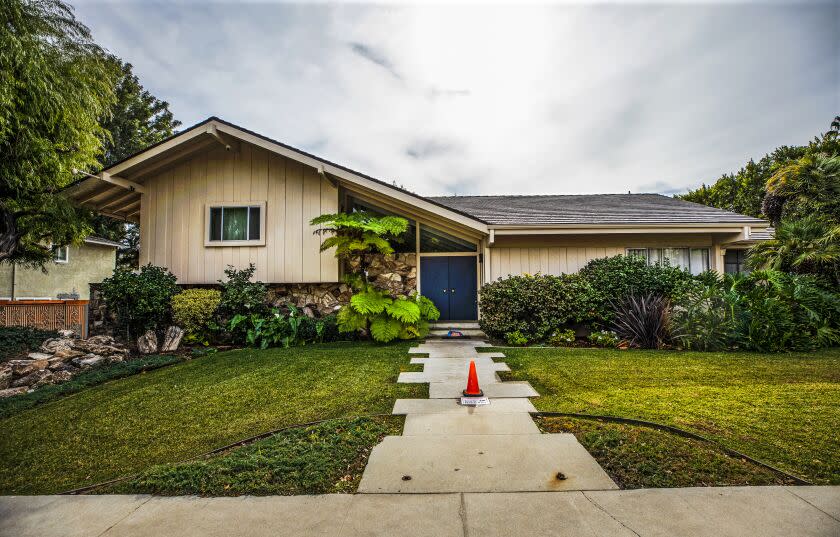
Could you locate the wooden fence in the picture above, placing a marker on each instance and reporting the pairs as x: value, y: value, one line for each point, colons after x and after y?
x: 46, y: 314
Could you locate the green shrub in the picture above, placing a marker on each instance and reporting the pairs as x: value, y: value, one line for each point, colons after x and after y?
x: 193, y: 311
x: 613, y: 278
x: 562, y: 338
x: 516, y: 339
x: 140, y: 300
x: 533, y: 305
x: 384, y: 317
x: 241, y: 296
x: 16, y: 340
x: 705, y: 319
x: 604, y: 338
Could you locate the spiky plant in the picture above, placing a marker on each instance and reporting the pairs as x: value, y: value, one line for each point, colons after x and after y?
x: 643, y: 320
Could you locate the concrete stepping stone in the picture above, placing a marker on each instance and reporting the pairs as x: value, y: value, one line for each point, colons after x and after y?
x: 452, y: 406
x: 466, y: 424
x: 482, y: 463
x: 451, y: 390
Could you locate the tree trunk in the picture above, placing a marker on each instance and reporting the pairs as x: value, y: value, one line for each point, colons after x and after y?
x: 9, y: 234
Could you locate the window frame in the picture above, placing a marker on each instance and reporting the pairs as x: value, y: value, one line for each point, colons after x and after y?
x: 689, y: 248
x: 234, y: 205
x: 66, y: 255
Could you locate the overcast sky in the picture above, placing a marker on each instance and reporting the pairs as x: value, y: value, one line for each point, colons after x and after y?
x: 484, y: 100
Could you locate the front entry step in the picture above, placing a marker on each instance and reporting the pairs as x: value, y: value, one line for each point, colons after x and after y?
x: 481, y: 463
x: 441, y: 329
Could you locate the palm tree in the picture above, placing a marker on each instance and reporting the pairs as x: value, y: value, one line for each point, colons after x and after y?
x: 809, y: 185
x: 805, y: 246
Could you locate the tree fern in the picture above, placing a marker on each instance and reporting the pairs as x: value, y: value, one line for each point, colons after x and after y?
x: 370, y: 302
x: 384, y: 328
x: 407, y: 311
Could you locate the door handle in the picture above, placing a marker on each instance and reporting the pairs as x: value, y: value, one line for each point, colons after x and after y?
x: 444, y: 290
x: 452, y: 290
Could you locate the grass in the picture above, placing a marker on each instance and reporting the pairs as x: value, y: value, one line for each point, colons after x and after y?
x: 641, y: 457
x: 170, y: 414
x: 324, y: 458
x: 783, y: 409
x: 18, y: 403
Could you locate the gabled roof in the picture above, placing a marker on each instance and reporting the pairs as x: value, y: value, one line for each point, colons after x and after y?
x: 591, y: 209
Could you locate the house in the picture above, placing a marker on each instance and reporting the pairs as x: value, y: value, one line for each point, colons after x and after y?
x: 217, y: 194
x: 68, y: 277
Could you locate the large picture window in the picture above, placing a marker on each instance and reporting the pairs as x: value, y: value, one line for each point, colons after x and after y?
x: 236, y: 224
x: 694, y: 260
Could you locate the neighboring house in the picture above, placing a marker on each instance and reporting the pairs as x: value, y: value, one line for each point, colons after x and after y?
x: 217, y: 194
x: 68, y: 276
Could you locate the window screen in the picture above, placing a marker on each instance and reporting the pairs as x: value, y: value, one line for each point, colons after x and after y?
x: 235, y: 223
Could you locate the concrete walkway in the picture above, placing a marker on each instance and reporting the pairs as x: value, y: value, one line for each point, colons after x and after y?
x: 703, y: 512
x: 446, y: 447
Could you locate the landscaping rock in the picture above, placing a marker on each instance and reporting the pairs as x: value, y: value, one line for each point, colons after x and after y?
x: 47, y: 377
x: 24, y: 367
x: 31, y: 379
x: 172, y: 338
x: 89, y: 360
x: 52, y: 345
x: 147, y: 343
x: 5, y: 378
x: 9, y: 392
x: 61, y: 376
x: 67, y: 333
x: 68, y: 354
x: 38, y: 356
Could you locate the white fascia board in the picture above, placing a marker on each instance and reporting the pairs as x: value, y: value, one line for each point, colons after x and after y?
x: 594, y: 230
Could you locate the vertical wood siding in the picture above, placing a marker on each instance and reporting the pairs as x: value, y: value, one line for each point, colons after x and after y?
x: 545, y: 260
x: 173, y: 227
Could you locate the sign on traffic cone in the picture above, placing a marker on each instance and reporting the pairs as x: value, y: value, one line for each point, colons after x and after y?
x: 472, y: 383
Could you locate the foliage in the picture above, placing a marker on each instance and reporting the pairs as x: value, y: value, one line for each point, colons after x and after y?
x: 533, y: 305
x: 768, y: 311
x: 241, y: 296
x: 384, y: 317
x: 286, y: 330
x: 780, y: 409
x: 193, y: 311
x: 16, y: 340
x: 353, y: 235
x: 124, y: 427
x: 516, y: 339
x: 808, y: 245
x: 612, y: 278
x: 705, y: 319
x: 55, y: 85
x: 324, y: 458
x: 140, y: 300
x: 562, y: 338
x: 643, y: 320
x: 807, y: 186
x: 86, y: 379
x: 604, y: 338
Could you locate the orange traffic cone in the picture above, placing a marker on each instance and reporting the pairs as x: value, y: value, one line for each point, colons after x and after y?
x: 472, y: 383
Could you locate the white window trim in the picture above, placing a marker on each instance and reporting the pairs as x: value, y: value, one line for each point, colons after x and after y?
x: 647, y: 250
x: 66, y: 255
x: 227, y: 204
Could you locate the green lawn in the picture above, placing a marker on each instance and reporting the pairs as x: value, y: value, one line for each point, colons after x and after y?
x: 782, y: 409
x: 170, y: 414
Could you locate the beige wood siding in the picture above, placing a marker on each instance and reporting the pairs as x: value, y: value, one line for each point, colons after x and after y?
x: 173, y: 227
x: 512, y: 255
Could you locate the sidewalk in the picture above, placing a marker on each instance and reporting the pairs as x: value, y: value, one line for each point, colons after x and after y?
x: 712, y: 512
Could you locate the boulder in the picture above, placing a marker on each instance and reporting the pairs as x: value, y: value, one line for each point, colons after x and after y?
x: 24, y: 367
x: 38, y: 356
x: 147, y: 343
x: 172, y: 338
x: 56, y: 362
x: 67, y: 333
x: 52, y: 345
x: 5, y: 378
x: 89, y: 360
x: 9, y: 392
x: 46, y: 378
x: 61, y: 376
x: 68, y: 354
x: 100, y: 340
x: 33, y: 378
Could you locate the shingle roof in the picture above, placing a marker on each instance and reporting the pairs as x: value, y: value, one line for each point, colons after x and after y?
x: 608, y: 209
x: 101, y: 240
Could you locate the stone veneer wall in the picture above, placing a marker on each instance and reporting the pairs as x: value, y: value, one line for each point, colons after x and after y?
x: 397, y: 273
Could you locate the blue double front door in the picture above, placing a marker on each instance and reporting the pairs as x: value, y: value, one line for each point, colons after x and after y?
x: 451, y: 283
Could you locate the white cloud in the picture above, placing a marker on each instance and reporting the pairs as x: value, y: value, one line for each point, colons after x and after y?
x: 559, y: 99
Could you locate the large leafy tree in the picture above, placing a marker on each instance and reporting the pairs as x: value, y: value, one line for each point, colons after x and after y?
x: 55, y: 86
x: 808, y: 245
x: 137, y: 120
